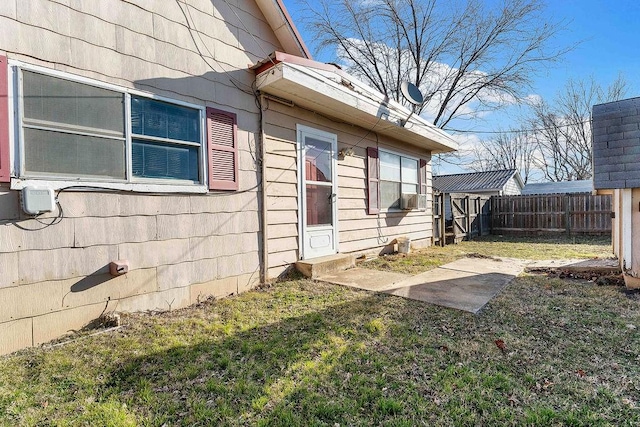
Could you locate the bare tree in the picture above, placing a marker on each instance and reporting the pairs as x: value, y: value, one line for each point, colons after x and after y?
x: 507, y: 150
x: 563, y: 128
x: 466, y: 56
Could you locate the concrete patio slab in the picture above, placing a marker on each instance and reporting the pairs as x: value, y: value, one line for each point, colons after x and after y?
x: 467, y: 284
x: 363, y: 278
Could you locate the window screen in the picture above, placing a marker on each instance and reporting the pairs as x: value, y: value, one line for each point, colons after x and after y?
x: 72, y: 129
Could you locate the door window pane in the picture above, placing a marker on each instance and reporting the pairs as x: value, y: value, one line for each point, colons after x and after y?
x: 318, y: 160
x: 319, y: 205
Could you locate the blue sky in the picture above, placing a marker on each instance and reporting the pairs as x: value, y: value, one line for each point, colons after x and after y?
x: 608, y: 33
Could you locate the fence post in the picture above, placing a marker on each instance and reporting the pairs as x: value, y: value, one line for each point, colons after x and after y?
x: 567, y: 214
x: 443, y: 230
x: 468, y: 219
x: 479, y: 215
x: 491, y: 214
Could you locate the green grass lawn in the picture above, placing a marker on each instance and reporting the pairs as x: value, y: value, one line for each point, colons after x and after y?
x: 536, y: 248
x: 306, y: 353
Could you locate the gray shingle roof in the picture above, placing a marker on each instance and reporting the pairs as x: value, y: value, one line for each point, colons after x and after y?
x: 476, y: 181
x: 582, y: 186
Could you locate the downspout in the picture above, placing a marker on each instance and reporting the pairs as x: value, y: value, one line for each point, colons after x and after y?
x: 627, y: 226
x: 264, y: 267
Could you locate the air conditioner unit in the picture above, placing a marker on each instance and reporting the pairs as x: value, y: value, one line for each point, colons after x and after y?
x: 408, y: 201
x: 422, y: 202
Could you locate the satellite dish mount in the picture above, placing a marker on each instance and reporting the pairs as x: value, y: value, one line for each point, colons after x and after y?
x: 412, y: 94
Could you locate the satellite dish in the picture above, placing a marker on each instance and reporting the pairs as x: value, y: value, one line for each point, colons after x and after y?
x: 412, y: 93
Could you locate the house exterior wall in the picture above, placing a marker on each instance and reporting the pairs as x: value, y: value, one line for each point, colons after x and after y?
x: 616, y: 150
x: 181, y: 248
x: 359, y: 232
x: 626, y: 230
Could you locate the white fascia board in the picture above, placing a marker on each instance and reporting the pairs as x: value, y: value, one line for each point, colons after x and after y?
x: 358, y: 104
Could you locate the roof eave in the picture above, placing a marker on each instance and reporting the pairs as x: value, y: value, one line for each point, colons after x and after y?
x: 327, y: 90
x: 282, y: 25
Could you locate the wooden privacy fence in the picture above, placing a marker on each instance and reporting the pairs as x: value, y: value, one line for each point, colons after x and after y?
x: 459, y: 216
x: 553, y: 213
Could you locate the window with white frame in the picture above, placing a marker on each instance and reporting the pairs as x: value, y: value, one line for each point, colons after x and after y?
x: 398, y: 175
x: 78, y: 129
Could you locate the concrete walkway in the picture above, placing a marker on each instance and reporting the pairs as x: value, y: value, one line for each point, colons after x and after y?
x: 466, y: 284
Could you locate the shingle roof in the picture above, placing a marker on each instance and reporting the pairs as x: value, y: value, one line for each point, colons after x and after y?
x: 583, y: 186
x: 476, y: 181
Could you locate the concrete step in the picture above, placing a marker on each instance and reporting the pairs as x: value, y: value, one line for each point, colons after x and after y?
x: 313, y: 268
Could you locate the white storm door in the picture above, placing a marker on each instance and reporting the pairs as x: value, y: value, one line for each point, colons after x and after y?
x: 318, y: 192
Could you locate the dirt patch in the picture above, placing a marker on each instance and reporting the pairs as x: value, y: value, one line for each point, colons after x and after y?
x: 482, y: 256
x: 595, y: 276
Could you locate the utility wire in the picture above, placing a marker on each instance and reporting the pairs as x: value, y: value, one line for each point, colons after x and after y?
x: 494, y: 132
x: 191, y: 29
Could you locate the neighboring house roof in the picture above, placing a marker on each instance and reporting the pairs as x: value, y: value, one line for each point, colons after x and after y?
x: 285, y: 30
x: 476, y: 181
x: 582, y: 186
x: 326, y: 89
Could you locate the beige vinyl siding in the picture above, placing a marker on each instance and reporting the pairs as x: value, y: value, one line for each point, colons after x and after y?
x: 511, y: 188
x: 181, y: 248
x: 358, y: 231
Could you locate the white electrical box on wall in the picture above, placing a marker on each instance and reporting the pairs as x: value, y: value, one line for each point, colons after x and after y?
x: 38, y: 200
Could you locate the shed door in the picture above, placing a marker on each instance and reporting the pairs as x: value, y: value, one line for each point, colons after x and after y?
x: 318, y: 187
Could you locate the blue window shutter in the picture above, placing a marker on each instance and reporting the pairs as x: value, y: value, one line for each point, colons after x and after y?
x: 222, y: 149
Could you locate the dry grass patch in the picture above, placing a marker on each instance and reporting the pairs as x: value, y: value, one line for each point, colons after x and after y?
x: 534, y: 248
x: 306, y: 353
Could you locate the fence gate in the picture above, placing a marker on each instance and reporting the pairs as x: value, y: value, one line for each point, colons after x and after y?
x: 438, y: 219
x: 459, y: 213
x: 459, y: 216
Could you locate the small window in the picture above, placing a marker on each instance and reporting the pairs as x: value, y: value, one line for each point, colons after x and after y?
x: 165, y: 140
x: 398, y: 175
x: 76, y: 130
